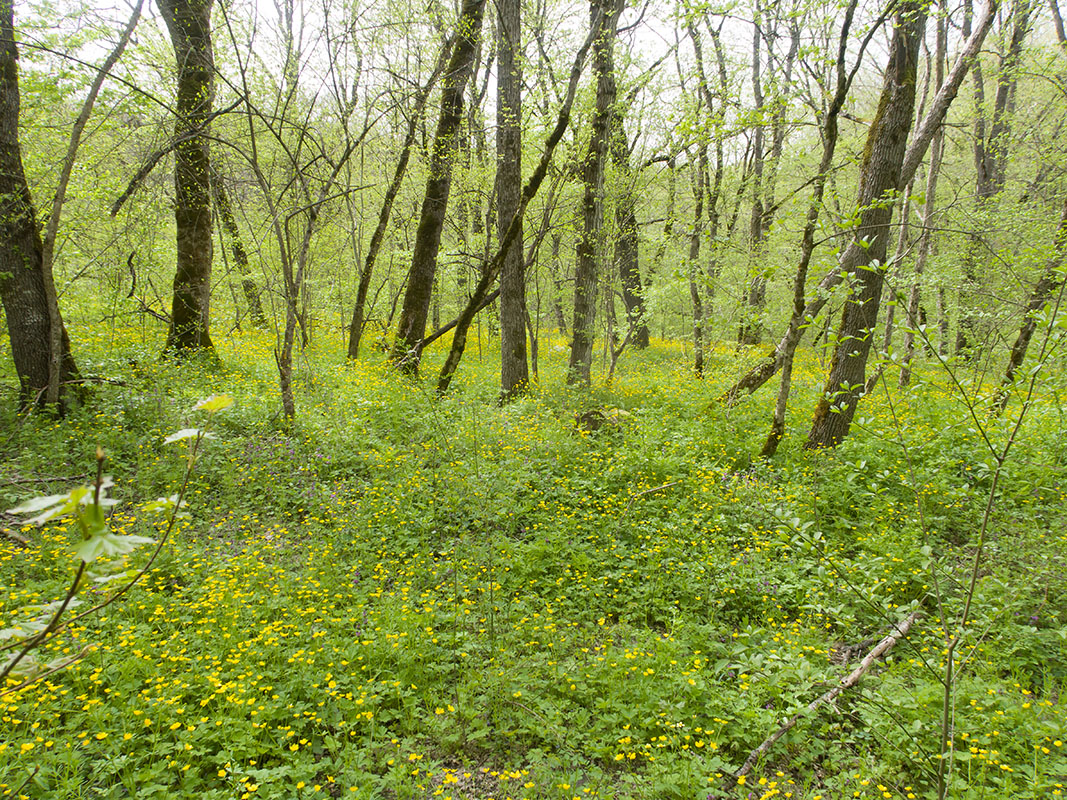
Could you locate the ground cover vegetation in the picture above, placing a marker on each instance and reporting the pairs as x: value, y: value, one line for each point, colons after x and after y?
x: 384, y: 406
x: 410, y: 597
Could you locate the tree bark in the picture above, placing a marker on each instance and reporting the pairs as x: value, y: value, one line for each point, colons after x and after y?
x: 412, y: 326
x: 240, y: 253
x: 807, y: 245
x: 31, y: 323
x: 606, y: 13
x: 990, y: 157
x: 700, y: 171
x: 864, y: 260
x: 514, y: 367
x: 755, y: 297
x: 627, y: 246
x: 929, y: 208
x: 492, y: 269
x: 1050, y: 281
x: 189, y: 24
x: 765, y: 369
x: 355, y: 330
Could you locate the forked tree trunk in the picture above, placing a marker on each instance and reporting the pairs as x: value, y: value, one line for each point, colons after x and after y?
x: 416, y: 307
x: 880, y: 177
x: 586, y: 275
x: 189, y: 24
x: 23, y: 290
x: 359, y: 312
x: 807, y: 245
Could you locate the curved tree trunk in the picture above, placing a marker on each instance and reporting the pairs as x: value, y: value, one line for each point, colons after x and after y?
x: 407, y: 350
x: 189, y: 24
x: 23, y: 290
x: 1049, y: 282
x: 863, y: 261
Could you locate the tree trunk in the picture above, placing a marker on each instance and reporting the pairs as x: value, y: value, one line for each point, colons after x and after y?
x: 990, y: 158
x: 412, y: 326
x: 514, y: 368
x: 864, y: 260
x: 627, y: 244
x: 765, y: 369
x: 807, y: 245
x: 929, y: 208
x: 355, y: 330
x: 23, y: 290
x: 557, y: 283
x: 189, y: 23
x: 1050, y: 281
x: 240, y: 254
x: 606, y: 13
x: 997, y: 147
x: 700, y: 171
x: 755, y: 297
x: 491, y: 270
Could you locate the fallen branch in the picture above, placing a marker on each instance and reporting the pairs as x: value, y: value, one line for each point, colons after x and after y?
x: 22, y: 541
x: 642, y: 493
x: 899, y: 632
x: 42, y: 479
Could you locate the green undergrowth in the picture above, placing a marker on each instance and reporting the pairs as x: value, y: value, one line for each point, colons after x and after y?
x: 399, y: 597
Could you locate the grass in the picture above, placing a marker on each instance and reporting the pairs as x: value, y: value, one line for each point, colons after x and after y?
x: 404, y: 598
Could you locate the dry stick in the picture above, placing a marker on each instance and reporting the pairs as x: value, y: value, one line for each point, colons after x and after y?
x: 647, y: 491
x: 883, y: 647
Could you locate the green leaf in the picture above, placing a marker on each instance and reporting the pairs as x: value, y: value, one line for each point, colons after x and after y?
x: 217, y: 402
x: 162, y: 503
x: 108, y: 544
x: 38, y: 504
x: 184, y: 433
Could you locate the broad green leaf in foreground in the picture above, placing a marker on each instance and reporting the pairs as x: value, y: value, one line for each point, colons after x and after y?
x: 108, y: 544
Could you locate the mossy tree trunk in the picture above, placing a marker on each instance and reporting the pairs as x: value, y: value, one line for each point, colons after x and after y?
x: 407, y: 348
x: 864, y: 260
x: 189, y: 24
x: 23, y: 290
x: 587, y: 272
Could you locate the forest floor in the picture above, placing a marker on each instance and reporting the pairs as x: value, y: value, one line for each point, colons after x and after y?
x: 399, y: 597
